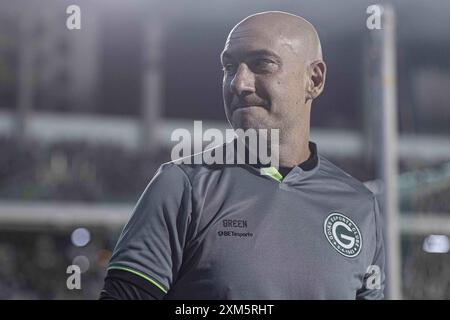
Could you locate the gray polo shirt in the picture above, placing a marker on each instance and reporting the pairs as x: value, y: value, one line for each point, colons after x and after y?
x: 228, y: 232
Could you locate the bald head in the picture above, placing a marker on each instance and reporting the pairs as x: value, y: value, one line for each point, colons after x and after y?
x: 293, y: 32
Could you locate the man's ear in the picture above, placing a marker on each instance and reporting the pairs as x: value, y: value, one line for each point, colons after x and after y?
x: 316, y: 79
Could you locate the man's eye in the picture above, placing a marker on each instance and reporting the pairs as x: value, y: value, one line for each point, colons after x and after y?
x: 263, y: 63
x: 263, y: 66
x: 229, y: 67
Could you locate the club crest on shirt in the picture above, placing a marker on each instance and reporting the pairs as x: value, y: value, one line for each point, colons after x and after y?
x: 343, y: 234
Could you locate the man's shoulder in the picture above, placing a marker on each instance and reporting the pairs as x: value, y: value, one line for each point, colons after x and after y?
x: 336, y: 176
x: 199, y: 164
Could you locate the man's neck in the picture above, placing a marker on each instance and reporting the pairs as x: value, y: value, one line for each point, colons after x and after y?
x: 292, y: 155
x: 294, y: 147
x: 292, y: 151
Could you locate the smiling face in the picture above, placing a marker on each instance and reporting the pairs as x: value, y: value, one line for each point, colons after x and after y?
x: 265, y: 63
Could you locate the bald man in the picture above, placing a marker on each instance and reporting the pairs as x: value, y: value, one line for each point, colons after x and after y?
x: 302, y: 230
x: 273, y: 63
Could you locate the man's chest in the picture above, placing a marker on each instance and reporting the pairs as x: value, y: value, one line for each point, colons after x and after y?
x: 278, y: 246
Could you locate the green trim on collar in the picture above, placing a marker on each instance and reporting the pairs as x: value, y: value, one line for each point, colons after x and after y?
x: 273, y: 173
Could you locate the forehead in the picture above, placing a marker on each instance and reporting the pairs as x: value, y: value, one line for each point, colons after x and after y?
x: 245, y: 40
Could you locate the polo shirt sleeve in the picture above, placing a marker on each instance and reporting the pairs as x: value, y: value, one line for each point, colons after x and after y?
x: 151, y: 244
x: 374, y: 279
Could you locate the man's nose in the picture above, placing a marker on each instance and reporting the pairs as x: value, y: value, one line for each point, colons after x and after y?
x: 243, y: 82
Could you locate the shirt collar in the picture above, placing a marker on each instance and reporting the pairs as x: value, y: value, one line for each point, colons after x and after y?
x: 311, y: 162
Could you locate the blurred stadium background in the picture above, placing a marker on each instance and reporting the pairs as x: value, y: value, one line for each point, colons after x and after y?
x: 86, y: 117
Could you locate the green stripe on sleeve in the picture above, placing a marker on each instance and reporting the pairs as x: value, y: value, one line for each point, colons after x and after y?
x: 140, y: 274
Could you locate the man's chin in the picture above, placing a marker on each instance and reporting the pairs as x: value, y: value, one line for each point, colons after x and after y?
x: 247, y: 123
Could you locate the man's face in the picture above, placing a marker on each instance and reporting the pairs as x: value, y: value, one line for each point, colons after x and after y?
x: 264, y: 80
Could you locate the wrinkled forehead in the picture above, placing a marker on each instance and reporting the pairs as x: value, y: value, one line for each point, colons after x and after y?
x: 248, y: 38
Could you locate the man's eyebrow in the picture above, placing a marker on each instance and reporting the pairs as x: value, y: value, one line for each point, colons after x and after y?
x: 251, y: 54
x: 263, y: 52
